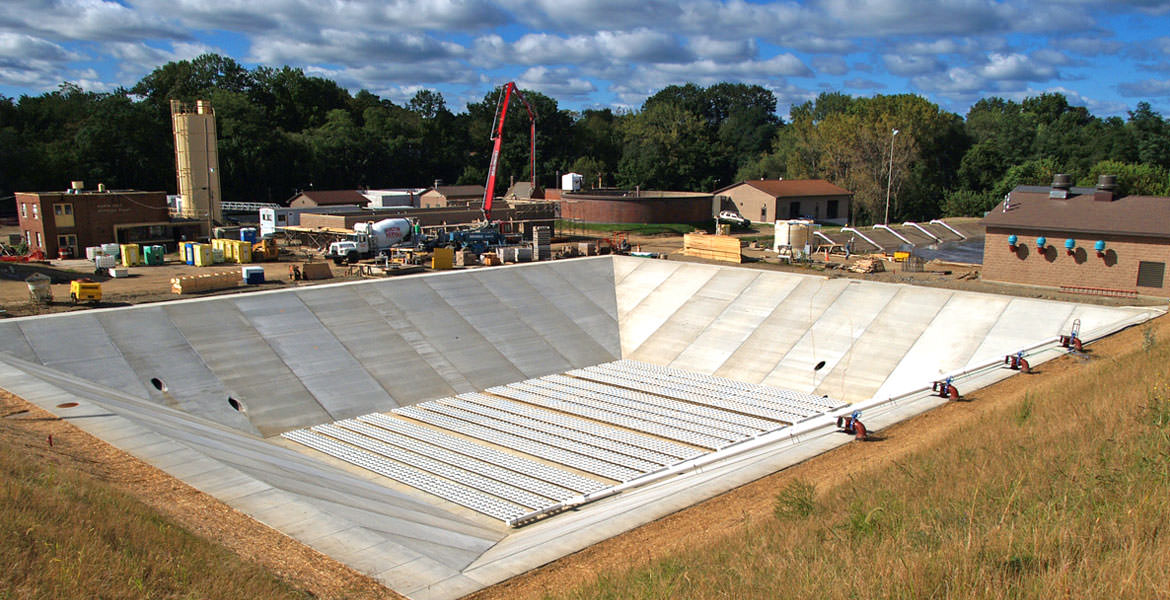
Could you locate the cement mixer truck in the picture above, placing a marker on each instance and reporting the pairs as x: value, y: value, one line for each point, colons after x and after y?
x: 370, y: 239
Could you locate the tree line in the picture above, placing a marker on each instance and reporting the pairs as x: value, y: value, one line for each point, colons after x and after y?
x: 282, y: 131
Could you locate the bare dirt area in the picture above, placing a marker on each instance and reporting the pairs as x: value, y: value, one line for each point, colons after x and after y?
x: 729, y: 514
x: 144, y: 284
x: 31, y: 429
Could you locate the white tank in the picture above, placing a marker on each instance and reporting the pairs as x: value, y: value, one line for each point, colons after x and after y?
x: 385, y: 233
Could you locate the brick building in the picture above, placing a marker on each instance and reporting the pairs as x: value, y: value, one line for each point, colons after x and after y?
x: 442, y: 196
x: 77, y: 218
x: 1087, y: 240
x: 768, y: 200
x: 320, y: 198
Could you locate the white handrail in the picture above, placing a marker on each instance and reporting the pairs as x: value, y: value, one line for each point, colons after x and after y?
x: 864, y: 237
x: 953, y: 230
x: 923, y: 230
x: 896, y: 234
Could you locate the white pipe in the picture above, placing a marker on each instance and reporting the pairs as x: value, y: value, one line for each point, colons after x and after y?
x: 864, y: 237
x: 820, y: 425
x: 923, y: 230
x: 953, y: 230
x: 896, y: 234
x: 824, y: 237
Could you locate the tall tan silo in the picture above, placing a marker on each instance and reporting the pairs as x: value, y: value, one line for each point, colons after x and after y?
x: 196, y: 160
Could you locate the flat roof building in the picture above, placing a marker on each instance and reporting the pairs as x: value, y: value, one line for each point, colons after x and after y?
x: 76, y: 218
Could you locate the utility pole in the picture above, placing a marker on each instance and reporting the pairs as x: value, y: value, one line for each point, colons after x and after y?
x: 890, y: 181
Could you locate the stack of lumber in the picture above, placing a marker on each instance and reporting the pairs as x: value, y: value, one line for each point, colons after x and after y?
x: 868, y: 265
x: 712, y: 247
x: 189, y: 284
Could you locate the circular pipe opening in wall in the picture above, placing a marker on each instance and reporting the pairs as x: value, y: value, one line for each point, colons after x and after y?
x: 236, y: 404
x: 158, y: 384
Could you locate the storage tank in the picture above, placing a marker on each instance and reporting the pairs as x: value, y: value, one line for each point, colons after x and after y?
x: 794, y: 237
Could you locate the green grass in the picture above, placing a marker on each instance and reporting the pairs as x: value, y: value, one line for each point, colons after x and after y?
x: 64, y: 534
x: 1059, y: 491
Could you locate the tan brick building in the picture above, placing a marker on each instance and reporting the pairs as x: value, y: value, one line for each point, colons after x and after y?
x: 78, y: 218
x: 1085, y: 240
x: 768, y: 200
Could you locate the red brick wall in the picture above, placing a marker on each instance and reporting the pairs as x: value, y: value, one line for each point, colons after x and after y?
x: 637, y: 210
x: 94, y: 215
x: 1117, y: 270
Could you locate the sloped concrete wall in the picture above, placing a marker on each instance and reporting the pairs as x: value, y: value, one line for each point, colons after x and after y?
x: 875, y: 339
x: 314, y: 355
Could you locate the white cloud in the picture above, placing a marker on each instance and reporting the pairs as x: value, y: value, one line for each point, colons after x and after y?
x: 906, y: 65
x: 1015, y: 67
x: 1145, y: 89
x: 88, y: 20
x: 723, y: 49
x: 555, y: 82
x: 353, y: 49
x: 830, y: 65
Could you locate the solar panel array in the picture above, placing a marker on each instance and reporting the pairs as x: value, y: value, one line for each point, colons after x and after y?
x: 527, y: 447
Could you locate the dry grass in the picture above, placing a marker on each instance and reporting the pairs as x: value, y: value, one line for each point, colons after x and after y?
x: 1060, y: 490
x: 81, y: 519
x: 66, y: 535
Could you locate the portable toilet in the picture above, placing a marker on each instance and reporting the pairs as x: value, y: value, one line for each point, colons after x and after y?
x: 203, y: 257
x: 189, y: 252
x: 131, y: 256
x: 248, y: 234
x: 153, y: 255
x: 243, y: 252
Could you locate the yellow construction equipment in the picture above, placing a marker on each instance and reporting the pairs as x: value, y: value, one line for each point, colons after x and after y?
x: 265, y: 249
x: 85, y: 290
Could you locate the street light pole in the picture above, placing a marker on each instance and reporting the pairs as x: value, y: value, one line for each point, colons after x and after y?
x: 890, y: 181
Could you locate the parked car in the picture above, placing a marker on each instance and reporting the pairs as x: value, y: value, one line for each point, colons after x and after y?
x: 736, y: 220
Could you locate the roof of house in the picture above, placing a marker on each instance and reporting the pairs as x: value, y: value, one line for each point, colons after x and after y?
x: 783, y: 188
x: 334, y: 197
x: 459, y: 191
x: 1029, y: 207
x: 524, y: 190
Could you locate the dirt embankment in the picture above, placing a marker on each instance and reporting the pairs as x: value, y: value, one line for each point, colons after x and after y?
x: 28, y: 429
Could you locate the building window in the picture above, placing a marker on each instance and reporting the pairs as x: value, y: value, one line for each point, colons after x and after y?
x: 27, y: 237
x: 23, y: 210
x: 63, y: 215
x: 832, y: 209
x: 40, y: 238
x: 36, y: 211
x: 1150, y: 274
x: 794, y: 210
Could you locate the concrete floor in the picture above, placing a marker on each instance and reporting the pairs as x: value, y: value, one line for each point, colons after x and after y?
x: 297, y: 358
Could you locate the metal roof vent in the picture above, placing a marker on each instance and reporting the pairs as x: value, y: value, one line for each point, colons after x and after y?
x: 1106, y: 188
x: 1061, y: 183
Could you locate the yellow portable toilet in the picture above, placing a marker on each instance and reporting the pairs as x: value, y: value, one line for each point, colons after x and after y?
x: 131, y: 255
x: 243, y: 251
x: 443, y: 258
x: 203, y: 256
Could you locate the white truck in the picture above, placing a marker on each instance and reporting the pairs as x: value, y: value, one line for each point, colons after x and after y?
x: 370, y: 239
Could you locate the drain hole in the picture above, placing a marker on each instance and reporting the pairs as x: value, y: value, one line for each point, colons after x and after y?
x: 67, y: 405
x: 158, y: 384
x: 819, y: 366
x: 236, y: 404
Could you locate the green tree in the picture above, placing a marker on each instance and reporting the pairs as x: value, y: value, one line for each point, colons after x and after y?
x: 1135, y: 179
x: 665, y: 149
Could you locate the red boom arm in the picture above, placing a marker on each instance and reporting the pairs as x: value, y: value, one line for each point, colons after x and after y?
x: 498, y: 136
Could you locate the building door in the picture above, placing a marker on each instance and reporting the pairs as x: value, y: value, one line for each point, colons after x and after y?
x: 68, y: 241
x: 794, y: 210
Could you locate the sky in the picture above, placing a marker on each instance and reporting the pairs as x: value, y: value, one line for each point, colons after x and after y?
x: 1106, y: 55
